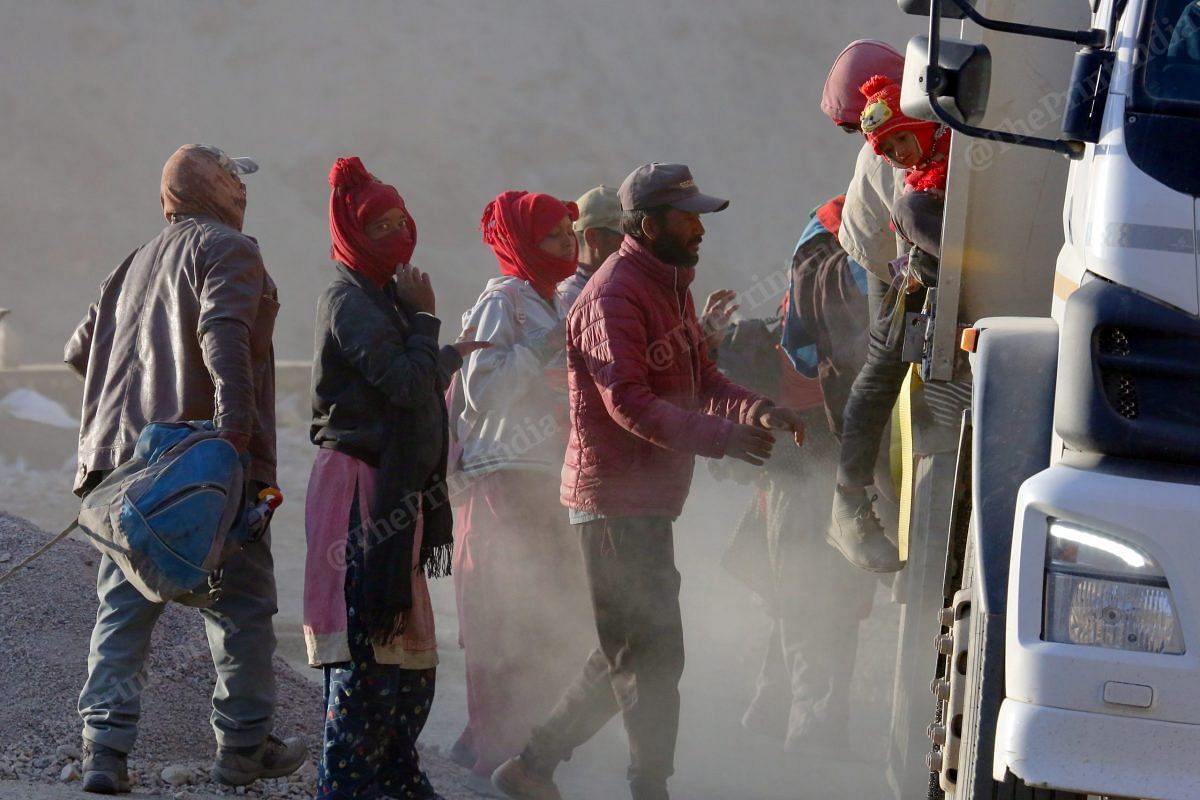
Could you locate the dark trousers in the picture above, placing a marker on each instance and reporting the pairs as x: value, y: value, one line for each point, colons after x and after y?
x: 874, y: 392
x: 630, y: 565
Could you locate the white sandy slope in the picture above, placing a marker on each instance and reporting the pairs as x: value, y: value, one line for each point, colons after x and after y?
x: 454, y: 101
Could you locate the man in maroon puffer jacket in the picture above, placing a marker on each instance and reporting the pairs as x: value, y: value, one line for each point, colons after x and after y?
x: 646, y: 399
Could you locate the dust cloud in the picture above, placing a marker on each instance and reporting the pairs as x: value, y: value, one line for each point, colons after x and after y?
x: 453, y: 102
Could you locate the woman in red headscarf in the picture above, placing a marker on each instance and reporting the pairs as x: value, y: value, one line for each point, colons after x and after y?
x: 521, y: 601
x: 376, y: 518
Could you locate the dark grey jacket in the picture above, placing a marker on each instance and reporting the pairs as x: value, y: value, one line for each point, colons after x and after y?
x: 378, y: 371
x: 182, y: 331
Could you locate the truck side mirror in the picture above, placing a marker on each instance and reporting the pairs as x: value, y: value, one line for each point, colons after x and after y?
x: 1088, y: 94
x: 962, y: 78
x: 922, y: 8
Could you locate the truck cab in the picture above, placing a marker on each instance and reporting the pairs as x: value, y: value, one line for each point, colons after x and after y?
x: 1069, y: 651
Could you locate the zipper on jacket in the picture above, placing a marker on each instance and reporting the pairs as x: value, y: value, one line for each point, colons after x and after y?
x: 683, y: 322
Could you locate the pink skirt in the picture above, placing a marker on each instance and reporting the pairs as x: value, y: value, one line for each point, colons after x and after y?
x: 326, y: 521
x: 525, y: 618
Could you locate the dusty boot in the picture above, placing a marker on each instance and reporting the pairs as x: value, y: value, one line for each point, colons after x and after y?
x: 857, y: 534
x: 274, y: 758
x: 104, y: 769
x: 519, y: 781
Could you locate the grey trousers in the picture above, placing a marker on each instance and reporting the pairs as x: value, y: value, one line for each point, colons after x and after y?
x: 240, y: 640
x: 630, y: 564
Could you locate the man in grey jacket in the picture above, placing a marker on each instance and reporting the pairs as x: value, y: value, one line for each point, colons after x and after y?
x: 182, y: 331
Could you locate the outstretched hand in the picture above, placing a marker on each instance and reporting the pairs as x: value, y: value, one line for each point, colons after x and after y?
x: 465, y: 345
x: 714, y: 320
x: 783, y: 419
x: 750, y: 444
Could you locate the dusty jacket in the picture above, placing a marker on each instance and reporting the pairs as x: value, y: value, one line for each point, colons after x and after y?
x: 375, y: 364
x: 866, y: 234
x: 645, y: 397
x: 515, y: 391
x: 182, y: 330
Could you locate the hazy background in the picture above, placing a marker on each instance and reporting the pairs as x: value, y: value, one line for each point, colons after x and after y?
x: 453, y: 101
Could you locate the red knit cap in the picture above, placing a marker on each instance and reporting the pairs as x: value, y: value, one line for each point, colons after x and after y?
x: 882, y: 117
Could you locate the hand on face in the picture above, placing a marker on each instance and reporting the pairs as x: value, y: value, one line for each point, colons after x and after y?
x: 414, y: 288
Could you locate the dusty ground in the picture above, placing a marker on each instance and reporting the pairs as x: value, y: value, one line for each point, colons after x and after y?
x: 47, y: 620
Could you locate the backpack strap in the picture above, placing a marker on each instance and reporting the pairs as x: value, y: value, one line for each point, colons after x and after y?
x: 510, y: 289
x: 41, y: 550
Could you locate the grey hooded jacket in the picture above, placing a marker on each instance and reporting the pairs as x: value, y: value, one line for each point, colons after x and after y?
x: 181, y: 331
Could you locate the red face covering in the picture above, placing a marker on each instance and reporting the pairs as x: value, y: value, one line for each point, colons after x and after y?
x: 357, y: 200
x: 514, y: 224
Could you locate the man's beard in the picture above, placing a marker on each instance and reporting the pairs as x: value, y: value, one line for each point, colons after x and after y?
x: 674, y: 251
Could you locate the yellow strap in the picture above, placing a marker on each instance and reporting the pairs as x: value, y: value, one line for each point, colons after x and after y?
x: 906, y: 461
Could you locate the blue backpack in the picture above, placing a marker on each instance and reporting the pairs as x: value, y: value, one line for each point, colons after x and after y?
x: 171, y: 515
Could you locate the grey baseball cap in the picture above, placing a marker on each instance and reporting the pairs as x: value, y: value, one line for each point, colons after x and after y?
x: 238, y: 166
x: 671, y: 185
x: 599, y: 208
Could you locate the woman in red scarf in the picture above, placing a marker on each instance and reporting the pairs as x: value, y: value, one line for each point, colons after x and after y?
x: 521, y: 604
x: 380, y: 420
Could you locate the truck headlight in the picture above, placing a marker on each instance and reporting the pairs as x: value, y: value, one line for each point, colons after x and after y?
x: 1104, y: 592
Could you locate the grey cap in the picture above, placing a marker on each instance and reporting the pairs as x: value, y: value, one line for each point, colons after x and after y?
x: 671, y: 185
x: 237, y: 166
x: 599, y: 208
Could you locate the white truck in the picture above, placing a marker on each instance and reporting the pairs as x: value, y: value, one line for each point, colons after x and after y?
x: 1069, y: 648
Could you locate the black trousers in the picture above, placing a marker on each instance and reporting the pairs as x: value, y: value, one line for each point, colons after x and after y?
x: 630, y: 565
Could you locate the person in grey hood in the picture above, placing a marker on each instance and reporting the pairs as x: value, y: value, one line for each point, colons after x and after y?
x: 182, y: 331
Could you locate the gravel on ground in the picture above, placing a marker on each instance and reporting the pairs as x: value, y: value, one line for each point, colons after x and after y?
x: 48, y: 610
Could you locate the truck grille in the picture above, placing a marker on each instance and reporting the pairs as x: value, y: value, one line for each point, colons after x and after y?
x: 1119, y: 387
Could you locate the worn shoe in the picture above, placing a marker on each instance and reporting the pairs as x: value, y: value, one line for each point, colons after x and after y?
x: 857, y: 534
x: 518, y: 782
x: 274, y: 758
x: 105, y: 770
